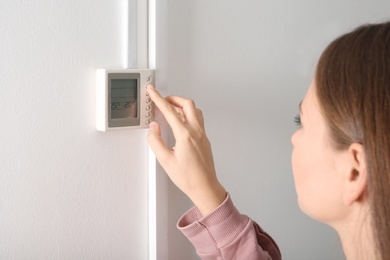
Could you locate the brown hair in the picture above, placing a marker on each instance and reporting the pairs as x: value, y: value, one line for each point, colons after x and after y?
x: 353, y: 89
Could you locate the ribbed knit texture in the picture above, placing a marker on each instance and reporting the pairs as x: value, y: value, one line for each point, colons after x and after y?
x: 227, y: 234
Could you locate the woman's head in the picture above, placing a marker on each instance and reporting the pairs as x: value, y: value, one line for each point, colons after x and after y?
x: 352, y: 84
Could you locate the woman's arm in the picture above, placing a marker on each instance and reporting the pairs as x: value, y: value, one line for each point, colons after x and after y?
x: 214, y: 226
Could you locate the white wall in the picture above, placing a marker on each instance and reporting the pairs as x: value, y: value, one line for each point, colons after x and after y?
x: 248, y: 64
x: 66, y: 190
x: 70, y: 192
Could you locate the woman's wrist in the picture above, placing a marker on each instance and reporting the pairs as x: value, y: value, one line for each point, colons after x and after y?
x: 207, y: 200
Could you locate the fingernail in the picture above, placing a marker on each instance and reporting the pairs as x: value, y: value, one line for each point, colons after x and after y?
x: 152, y: 125
x: 150, y: 86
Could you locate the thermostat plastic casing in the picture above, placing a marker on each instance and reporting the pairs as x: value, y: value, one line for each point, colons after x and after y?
x: 122, y: 101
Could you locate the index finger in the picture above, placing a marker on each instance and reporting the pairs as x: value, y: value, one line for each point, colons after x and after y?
x: 187, y: 105
x: 168, y: 111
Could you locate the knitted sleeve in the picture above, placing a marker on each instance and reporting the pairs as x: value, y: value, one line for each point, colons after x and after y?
x: 227, y: 234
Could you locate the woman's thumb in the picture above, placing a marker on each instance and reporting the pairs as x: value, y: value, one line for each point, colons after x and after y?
x: 157, y: 144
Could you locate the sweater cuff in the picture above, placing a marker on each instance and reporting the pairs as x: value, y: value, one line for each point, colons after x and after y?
x: 214, y: 231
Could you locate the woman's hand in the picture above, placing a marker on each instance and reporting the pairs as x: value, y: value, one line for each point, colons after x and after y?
x: 189, y: 163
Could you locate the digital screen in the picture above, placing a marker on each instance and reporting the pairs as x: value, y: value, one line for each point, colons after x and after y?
x: 124, y: 98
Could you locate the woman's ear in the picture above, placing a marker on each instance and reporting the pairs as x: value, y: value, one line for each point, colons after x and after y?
x: 356, y: 175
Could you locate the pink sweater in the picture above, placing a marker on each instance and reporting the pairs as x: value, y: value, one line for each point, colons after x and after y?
x: 227, y: 234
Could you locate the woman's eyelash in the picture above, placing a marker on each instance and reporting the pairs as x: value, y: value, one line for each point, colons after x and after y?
x: 297, y: 120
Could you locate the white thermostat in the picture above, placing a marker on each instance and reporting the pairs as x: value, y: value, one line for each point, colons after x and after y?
x: 122, y: 101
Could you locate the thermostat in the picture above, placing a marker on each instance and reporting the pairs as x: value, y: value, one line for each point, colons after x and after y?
x: 122, y: 101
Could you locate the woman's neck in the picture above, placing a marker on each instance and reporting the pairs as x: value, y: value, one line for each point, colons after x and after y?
x: 357, y: 237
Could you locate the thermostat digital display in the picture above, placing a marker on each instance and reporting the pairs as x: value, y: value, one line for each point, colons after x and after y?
x: 124, y: 98
x: 121, y: 99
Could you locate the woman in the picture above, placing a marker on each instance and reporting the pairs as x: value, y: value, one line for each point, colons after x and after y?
x: 340, y: 160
